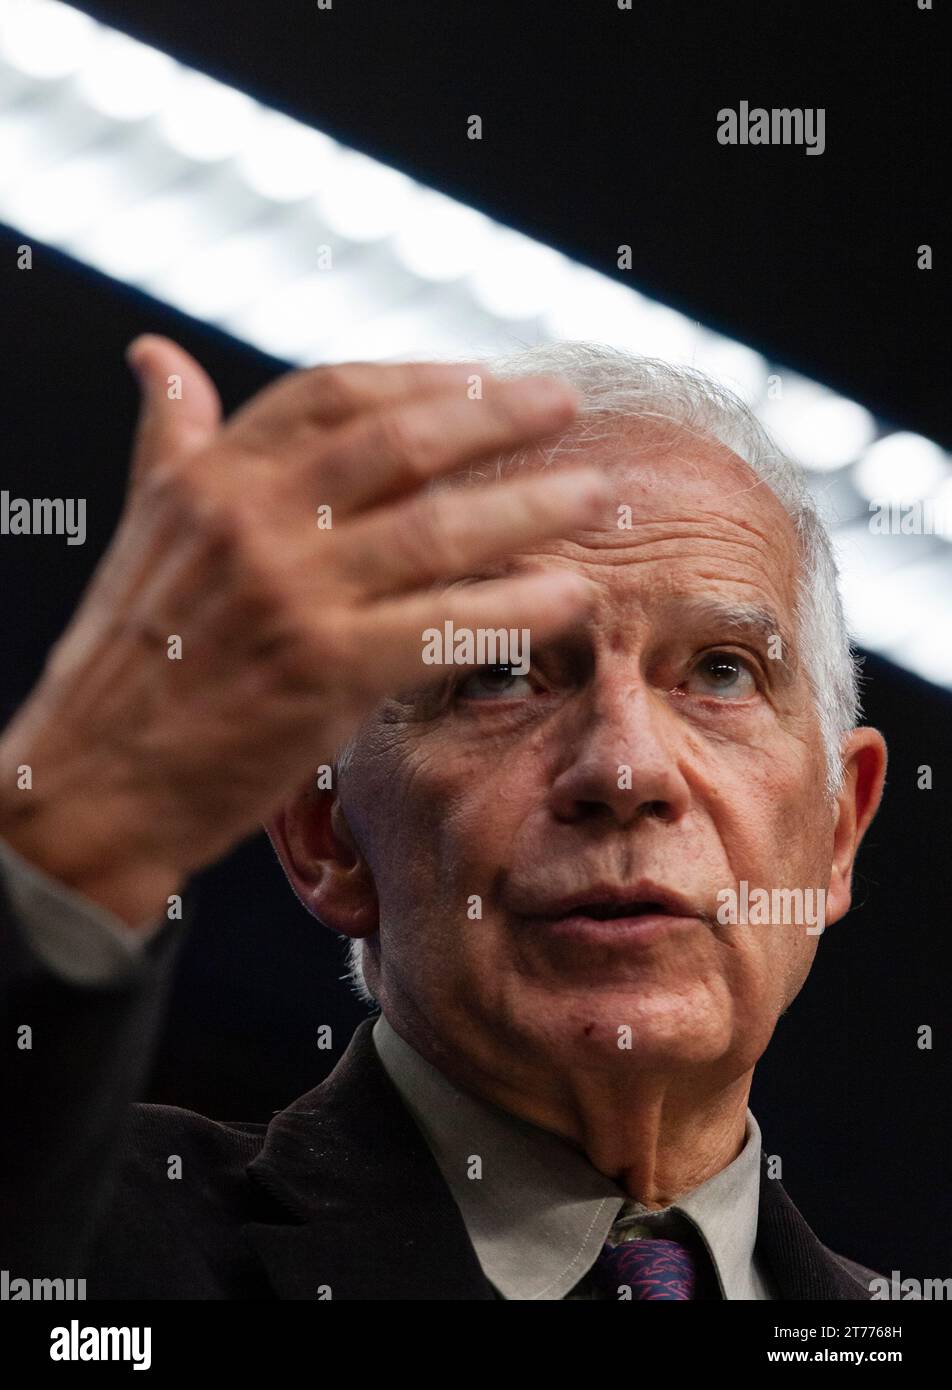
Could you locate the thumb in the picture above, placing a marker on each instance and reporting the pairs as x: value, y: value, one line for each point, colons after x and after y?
x: 180, y: 408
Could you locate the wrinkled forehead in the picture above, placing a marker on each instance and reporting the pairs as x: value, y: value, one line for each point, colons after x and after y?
x: 659, y: 463
x: 673, y: 492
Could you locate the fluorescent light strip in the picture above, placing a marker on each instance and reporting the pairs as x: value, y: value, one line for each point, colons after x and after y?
x: 240, y: 216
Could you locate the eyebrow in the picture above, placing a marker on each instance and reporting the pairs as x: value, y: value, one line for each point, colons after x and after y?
x: 757, y: 620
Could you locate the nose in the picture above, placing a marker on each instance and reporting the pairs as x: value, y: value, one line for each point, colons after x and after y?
x: 623, y: 762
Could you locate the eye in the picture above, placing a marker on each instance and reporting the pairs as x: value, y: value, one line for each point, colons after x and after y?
x: 724, y: 675
x: 494, y: 683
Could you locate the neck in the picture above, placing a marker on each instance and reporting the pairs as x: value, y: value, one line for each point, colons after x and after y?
x: 658, y: 1135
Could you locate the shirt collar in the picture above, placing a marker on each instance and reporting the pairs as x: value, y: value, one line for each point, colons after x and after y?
x: 724, y: 1211
x: 535, y: 1209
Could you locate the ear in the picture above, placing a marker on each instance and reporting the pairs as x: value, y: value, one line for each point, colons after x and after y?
x: 864, y: 774
x: 323, y: 864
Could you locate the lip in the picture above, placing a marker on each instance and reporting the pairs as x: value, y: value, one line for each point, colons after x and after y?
x: 670, y: 902
x: 567, y: 917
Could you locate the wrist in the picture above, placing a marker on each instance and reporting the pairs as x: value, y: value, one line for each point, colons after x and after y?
x: 83, y: 835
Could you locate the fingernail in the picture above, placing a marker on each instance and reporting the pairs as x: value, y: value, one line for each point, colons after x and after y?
x: 586, y: 487
x: 570, y: 589
x: 549, y: 391
x: 131, y: 353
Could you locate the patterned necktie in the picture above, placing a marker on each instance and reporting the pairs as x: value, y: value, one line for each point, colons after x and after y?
x: 656, y: 1269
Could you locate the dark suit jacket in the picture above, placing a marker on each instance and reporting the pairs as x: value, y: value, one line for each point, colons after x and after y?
x: 339, y: 1195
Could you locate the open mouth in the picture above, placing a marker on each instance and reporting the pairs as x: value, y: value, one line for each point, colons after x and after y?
x: 606, y: 912
x: 614, y: 916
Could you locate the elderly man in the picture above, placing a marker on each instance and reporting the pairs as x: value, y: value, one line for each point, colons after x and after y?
x: 546, y: 866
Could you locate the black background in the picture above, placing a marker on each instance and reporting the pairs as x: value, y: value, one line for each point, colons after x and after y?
x: 598, y: 129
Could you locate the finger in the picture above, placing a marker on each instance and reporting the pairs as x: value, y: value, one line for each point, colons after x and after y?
x: 397, y: 450
x: 179, y: 408
x: 449, y: 534
x: 390, y: 641
x: 287, y: 415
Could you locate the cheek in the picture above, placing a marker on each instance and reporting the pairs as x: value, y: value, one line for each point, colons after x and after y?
x: 772, y: 817
x: 803, y: 825
x: 776, y: 833
x: 435, y: 825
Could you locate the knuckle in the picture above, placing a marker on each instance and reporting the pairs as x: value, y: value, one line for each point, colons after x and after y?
x: 335, y: 387
x: 220, y: 523
x: 407, y: 438
x: 171, y: 491
x: 163, y: 483
x: 428, y: 538
x: 195, y: 508
x: 336, y: 467
x: 506, y: 404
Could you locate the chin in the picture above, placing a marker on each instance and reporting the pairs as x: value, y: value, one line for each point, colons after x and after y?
x: 618, y: 1032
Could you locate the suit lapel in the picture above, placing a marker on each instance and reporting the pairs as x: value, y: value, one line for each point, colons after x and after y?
x: 359, y: 1209
x: 363, y: 1210
x: 801, y: 1266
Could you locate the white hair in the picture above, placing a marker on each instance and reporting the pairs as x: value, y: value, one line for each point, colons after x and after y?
x: 617, y: 388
